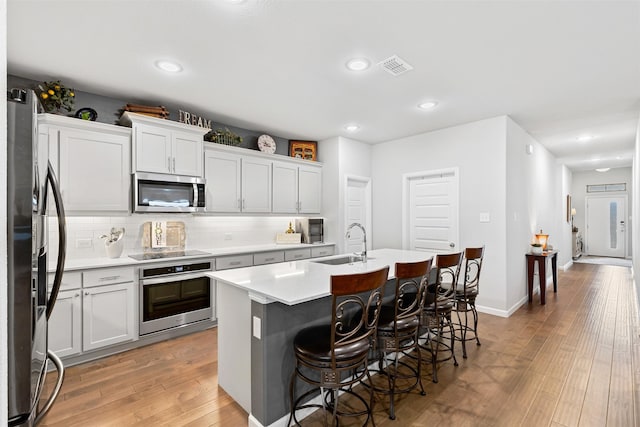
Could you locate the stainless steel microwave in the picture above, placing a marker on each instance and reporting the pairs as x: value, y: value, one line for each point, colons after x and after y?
x: 167, y: 193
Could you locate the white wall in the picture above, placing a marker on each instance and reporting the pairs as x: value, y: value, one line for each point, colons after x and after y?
x: 478, y: 150
x: 3, y: 218
x: 534, y: 201
x: 636, y: 214
x: 342, y: 157
x: 614, y: 176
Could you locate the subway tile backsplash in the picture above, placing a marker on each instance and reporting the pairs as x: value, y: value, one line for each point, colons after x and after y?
x: 203, y: 232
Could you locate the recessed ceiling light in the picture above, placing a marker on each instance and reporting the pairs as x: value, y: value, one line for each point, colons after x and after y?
x: 169, y: 66
x: 427, y: 105
x: 352, y: 128
x: 584, y: 138
x: 358, y: 64
x: 602, y: 169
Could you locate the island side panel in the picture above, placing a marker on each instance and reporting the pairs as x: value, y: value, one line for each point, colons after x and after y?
x: 234, y: 343
x: 272, y: 357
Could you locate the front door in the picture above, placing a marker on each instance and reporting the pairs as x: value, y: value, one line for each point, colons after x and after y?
x: 606, y: 226
x: 432, y: 212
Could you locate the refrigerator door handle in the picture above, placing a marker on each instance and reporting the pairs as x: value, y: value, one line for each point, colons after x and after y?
x: 62, y: 238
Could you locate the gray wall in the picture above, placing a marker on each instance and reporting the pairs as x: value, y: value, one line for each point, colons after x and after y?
x: 109, y: 111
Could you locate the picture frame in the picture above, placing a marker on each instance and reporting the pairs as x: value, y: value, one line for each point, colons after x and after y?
x: 568, y: 208
x: 306, y: 150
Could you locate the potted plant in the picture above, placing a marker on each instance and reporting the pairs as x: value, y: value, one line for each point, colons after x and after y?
x: 536, y: 248
x: 54, y: 96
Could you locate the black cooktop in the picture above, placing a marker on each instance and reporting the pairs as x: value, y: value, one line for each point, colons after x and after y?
x: 165, y: 255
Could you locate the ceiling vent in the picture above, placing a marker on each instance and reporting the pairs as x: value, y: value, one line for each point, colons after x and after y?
x: 395, y: 65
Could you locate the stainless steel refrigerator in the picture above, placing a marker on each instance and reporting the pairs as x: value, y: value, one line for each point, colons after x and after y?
x: 30, y: 183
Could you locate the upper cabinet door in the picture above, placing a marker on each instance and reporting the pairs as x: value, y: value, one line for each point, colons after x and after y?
x: 256, y: 185
x: 187, y: 154
x: 153, y: 149
x: 310, y: 189
x: 285, y: 188
x: 222, y: 175
x: 94, y: 170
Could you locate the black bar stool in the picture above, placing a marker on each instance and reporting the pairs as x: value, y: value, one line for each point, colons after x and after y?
x: 334, y: 357
x: 436, y: 314
x: 466, y: 295
x: 398, y: 328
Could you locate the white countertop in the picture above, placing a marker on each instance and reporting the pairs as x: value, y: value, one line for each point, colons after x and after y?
x: 296, y: 282
x: 103, y: 262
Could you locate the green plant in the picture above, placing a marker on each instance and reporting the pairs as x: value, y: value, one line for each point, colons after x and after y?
x: 55, y: 96
x: 224, y: 137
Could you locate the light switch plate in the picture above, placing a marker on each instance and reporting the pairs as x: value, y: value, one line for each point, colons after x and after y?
x: 257, y: 327
x: 485, y: 217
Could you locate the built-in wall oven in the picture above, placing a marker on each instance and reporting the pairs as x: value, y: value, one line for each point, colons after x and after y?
x: 174, y: 294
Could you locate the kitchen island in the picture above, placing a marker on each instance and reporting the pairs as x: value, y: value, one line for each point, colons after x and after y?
x: 262, y: 308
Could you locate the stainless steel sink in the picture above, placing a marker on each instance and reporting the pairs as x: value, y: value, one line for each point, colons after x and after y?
x: 348, y: 259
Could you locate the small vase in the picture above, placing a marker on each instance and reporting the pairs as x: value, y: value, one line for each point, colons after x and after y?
x: 536, y: 249
x: 114, y: 249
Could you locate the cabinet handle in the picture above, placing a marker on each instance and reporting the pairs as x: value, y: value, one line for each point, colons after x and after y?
x: 243, y: 204
x: 169, y: 163
x: 269, y: 259
x: 297, y: 256
x: 77, y: 295
x: 102, y: 279
x: 235, y: 263
x: 86, y: 293
x: 174, y: 164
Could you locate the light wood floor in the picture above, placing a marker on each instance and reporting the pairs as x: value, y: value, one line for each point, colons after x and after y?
x: 575, y: 361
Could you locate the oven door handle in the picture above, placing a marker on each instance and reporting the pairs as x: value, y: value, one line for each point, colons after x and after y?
x: 174, y: 278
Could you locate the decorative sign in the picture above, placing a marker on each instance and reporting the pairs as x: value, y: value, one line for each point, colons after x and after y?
x: 195, y: 120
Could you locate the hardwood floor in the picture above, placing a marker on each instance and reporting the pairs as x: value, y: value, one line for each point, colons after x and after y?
x: 573, y: 362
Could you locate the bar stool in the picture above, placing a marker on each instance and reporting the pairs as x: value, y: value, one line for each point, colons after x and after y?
x: 334, y: 357
x: 398, y: 328
x: 466, y: 294
x: 436, y: 314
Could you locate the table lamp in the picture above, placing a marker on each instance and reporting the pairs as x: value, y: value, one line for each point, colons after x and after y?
x: 542, y: 239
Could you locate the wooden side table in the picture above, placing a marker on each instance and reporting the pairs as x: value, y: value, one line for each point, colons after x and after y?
x: 541, y: 259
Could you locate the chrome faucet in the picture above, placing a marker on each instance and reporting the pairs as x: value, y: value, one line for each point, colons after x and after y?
x: 363, y: 254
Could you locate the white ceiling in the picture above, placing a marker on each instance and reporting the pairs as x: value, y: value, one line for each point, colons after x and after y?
x: 560, y: 69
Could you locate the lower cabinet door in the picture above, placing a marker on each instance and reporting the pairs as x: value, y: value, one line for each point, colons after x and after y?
x: 108, y: 315
x: 65, y: 324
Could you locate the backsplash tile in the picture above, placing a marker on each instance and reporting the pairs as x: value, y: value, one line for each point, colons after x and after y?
x: 203, y: 232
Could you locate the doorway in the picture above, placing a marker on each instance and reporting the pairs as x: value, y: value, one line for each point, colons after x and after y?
x: 606, y: 225
x: 430, y: 211
x: 357, y: 209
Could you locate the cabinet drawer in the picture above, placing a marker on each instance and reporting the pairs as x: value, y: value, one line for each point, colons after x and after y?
x: 107, y: 276
x: 235, y: 261
x: 297, y: 254
x: 323, y: 251
x: 70, y: 280
x: 268, y: 257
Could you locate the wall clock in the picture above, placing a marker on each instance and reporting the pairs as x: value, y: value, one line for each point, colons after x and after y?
x: 266, y: 144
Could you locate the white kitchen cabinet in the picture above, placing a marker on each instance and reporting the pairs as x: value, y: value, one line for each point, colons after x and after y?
x: 256, y: 185
x: 222, y: 176
x: 309, y: 189
x: 87, y: 156
x: 108, y: 314
x: 163, y: 146
x: 297, y: 254
x: 297, y: 188
x: 65, y: 324
x: 109, y: 307
x: 236, y: 183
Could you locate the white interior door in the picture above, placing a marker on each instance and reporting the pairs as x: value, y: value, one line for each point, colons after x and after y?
x: 606, y: 225
x: 431, y: 212
x: 357, y: 209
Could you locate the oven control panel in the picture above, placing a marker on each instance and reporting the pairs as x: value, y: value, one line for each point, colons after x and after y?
x: 167, y: 270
